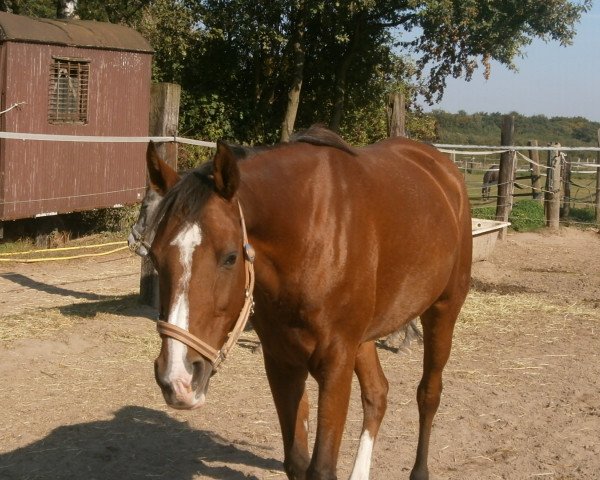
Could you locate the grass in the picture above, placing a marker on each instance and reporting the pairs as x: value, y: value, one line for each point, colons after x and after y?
x: 526, y: 215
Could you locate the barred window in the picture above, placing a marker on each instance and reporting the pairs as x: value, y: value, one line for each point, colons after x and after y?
x: 68, y: 96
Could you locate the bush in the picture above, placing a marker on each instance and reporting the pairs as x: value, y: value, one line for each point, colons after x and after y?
x: 526, y: 215
x: 582, y: 215
x: 487, y: 213
x: 117, y: 220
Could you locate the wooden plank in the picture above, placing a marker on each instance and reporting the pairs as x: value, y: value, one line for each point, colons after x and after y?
x: 396, y: 114
x: 506, y: 175
x: 164, y: 121
x: 553, y: 188
x: 536, y: 182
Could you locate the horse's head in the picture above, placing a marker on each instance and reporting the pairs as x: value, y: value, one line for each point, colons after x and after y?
x: 199, y: 253
x: 161, y: 178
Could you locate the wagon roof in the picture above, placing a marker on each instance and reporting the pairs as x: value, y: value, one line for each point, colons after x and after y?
x: 77, y: 33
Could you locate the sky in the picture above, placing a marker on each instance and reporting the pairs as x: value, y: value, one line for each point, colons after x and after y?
x: 551, y: 80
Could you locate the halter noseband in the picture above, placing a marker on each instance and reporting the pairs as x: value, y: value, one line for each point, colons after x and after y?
x: 216, y: 357
x: 140, y: 240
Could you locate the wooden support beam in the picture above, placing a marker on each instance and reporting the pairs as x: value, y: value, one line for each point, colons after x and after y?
x: 396, y: 114
x: 553, y: 188
x: 534, y: 168
x: 506, y: 175
x: 164, y: 121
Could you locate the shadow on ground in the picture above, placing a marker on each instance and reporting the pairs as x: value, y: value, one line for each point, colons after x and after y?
x: 137, y: 443
x: 123, y: 305
x: 32, y: 284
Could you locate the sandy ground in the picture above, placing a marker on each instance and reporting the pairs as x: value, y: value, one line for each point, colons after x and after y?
x: 521, y: 399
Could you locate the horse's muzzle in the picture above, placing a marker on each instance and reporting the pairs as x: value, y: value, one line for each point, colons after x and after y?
x: 185, y: 393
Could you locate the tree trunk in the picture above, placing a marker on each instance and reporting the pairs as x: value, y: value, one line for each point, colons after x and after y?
x: 289, y: 119
x: 341, y: 77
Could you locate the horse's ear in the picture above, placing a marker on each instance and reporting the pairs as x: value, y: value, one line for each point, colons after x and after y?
x: 162, y: 176
x: 226, y: 173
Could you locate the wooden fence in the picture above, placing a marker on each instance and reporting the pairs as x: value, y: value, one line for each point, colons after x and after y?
x: 554, y: 179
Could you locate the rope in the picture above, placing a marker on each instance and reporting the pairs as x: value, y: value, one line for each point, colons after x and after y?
x: 462, y: 152
x: 98, y: 139
x: 57, y: 259
x: 14, y: 105
x: 81, y: 247
x: 515, y: 148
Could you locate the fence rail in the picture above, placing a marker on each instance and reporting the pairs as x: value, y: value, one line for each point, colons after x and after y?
x: 452, y: 149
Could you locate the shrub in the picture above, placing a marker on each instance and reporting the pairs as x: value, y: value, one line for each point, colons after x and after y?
x: 487, y: 213
x: 582, y: 215
x: 526, y: 215
x: 117, y: 220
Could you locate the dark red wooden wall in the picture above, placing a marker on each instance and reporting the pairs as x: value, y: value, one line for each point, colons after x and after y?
x: 40, y: 177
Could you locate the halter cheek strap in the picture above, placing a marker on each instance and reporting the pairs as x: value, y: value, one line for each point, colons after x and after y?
x: 216, y: 357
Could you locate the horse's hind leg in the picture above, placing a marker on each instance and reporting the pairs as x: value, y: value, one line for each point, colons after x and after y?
x: 438, y: 324
x: 374, y: 389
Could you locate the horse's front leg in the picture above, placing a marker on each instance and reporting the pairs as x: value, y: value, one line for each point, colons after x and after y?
x: 288, y: 386
x: 333, y: 373
x: 374, y: 389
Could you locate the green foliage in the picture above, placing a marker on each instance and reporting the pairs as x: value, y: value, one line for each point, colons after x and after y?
x: 486, y: 213
x: 236, y: 59
x: 104, y: 220
x: 30, y: 8
x: 484, y: 129
x: 582, y: 215
x: 527, y: 215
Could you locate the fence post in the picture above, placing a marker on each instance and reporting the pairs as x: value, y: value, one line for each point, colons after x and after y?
x: 565, y: 208
x: 506, y: 175
x: 534, y: 168
x: 396, y: 114
x: 553, y: 187
x: 598, y: 183
x: 164, y: 120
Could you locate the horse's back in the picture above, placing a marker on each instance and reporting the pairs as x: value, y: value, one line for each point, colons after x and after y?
x: 420, y: 222
x: 382, y: 229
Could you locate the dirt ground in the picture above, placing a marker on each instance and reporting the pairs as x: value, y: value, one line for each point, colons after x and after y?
x: 521, y: 398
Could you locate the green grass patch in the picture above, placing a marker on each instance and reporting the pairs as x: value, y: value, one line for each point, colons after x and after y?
x: 526, y: 215
x: 582, y: 215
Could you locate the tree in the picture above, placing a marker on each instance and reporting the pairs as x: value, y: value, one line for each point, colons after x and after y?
x: 254, y: 71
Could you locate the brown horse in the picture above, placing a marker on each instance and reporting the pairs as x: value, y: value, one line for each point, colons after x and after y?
x: 161, y: 177
x: 350, y: 245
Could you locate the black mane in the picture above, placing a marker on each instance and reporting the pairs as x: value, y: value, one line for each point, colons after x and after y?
x: 314, y: 135
x: 188, y: 196
x: 321, y: 136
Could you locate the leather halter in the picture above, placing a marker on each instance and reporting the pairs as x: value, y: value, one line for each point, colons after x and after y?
x: 216, y: 357
x: 140, y: 240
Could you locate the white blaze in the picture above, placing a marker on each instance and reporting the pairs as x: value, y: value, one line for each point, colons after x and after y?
x: 187, y: 240
x: 362, y: 464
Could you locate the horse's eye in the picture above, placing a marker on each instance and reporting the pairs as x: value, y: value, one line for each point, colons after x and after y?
x: 230, y: 259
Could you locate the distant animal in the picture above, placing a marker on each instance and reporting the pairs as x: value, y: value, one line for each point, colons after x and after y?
x: 345, y: 246
x: 490, y: 177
